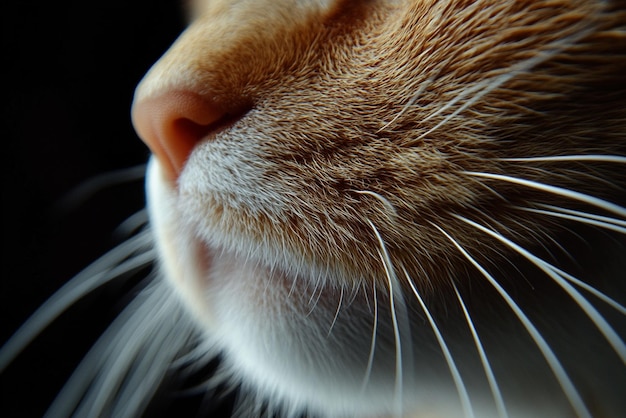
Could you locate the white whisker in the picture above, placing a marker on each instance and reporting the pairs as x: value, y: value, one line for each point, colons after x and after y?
x: 488, y: 85
x: 599, y: 158
x: 396, y: 302
x: 154, y: 360
x: 491, y: 378
x: 601, y: 218
x: 585, y: 198
x: 330, y: 330
x: 454, y: 371
x: 313, y: 300
x: 136, y: 355
x: 100, y: 272
x: 107, y: 346
x: 370, y: 358
x: 382, y: 199
x: 557, y: 368
x: 582, y: 219
x: 410, y: 103
x: 198, y: 355
x: 607, y: 331
x: 609, y: 301
x: 77, y: 196
x: 451, y: 103
x: 122, y: 353
x: 131, y: 224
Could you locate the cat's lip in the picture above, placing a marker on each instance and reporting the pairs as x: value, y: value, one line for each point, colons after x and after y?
x: 196, y: 269
x: 183, y: 259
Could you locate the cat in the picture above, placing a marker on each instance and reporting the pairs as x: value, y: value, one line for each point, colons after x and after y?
x: 376, y: 209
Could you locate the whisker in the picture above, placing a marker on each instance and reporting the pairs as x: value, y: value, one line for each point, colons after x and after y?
x: 614, y: 304
x: 354, y: 293
x: 169, y: 332
x: 330, y: 330
x: 221, y: 378
x: 100, y: 272
x: 396, y: 302
x: 606, y: 299
x: 488, y: 85
x: 620, y: 159
x: 454, y: 371
x: 131, y: 224
x: 122, y: 354
x: 557, y: 368
x: 582, y: 219
x: 313, y: 301
x: 606, y: 219
x: 124, y: 333
x: 89, y: 187
x: 382, y: 199
x: 451, y: 103
x: 410, y: 103
x: 491, y: 378
x: 370, y: 358
x: 585, y: 198
x: 607, y: 331
x: 202, y: 352
x: 168, y: 336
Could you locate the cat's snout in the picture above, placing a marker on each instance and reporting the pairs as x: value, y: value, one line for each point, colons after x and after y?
x: 172, y: 123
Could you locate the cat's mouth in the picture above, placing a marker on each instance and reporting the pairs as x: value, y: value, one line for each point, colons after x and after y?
x: 183, y: 261
x: 197, y: 270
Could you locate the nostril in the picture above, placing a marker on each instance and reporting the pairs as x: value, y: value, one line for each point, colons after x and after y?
x: 189, y: 129
x: 171, y: 124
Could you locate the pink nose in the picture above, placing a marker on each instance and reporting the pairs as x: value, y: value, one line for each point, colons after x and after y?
x: 171, y: 124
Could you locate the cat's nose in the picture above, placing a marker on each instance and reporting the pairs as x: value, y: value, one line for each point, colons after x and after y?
x: 172, y: 123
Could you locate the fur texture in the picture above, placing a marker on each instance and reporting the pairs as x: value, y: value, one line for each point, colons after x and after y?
x: 388, y: 208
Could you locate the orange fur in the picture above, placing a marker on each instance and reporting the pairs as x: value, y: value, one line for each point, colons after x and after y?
x: 382, y: 74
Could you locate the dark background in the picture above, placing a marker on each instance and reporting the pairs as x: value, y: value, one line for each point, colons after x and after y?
x: 68, y: 72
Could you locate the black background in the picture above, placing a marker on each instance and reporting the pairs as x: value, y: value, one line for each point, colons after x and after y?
x: 69, y: 72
